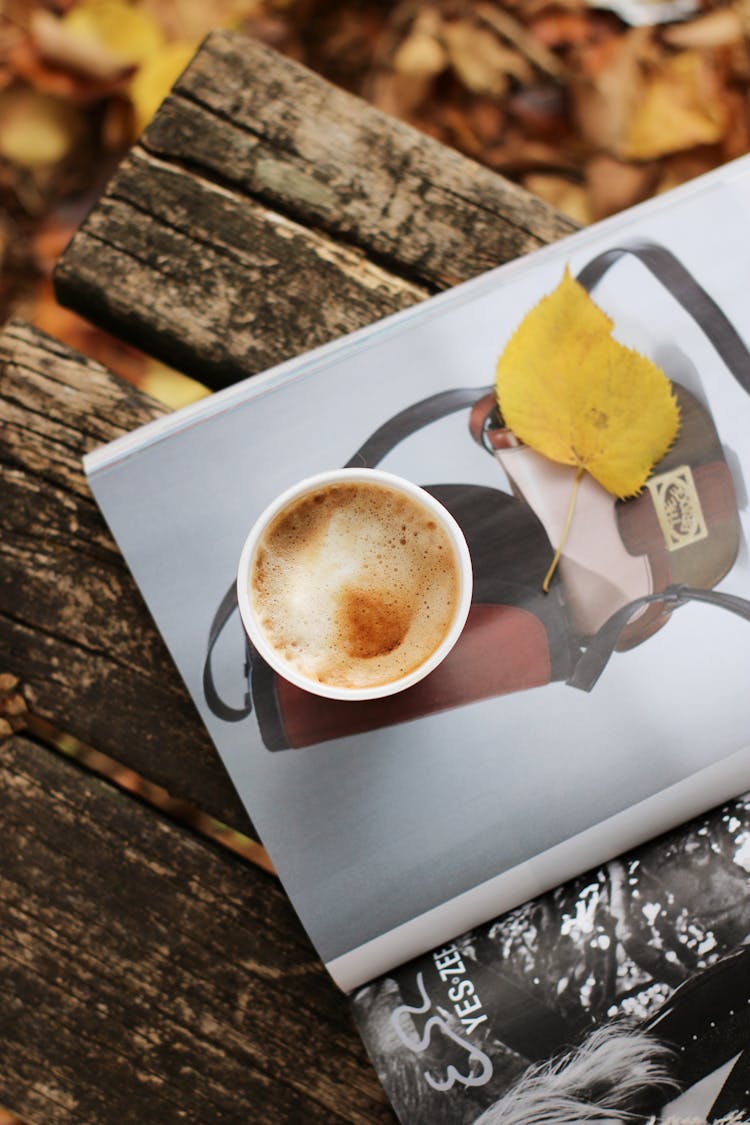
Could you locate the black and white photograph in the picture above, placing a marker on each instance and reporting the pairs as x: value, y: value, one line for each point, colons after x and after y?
x: 623, y: 996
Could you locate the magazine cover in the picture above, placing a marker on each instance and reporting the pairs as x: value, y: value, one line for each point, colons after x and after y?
x: 581, y: 712
x: 623, y: 996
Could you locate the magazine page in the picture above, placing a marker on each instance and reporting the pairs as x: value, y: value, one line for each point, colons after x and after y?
x: 564, y: 726
x: 622, y: 996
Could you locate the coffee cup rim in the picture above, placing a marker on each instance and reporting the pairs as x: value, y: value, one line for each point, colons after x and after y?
x: 255, y: 632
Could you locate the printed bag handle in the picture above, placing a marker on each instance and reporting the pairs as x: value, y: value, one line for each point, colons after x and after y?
x: 222, y: 710
x: 408, y: 421
x: 676, y: 279
x: 727, y: 342
x: 601, y: 645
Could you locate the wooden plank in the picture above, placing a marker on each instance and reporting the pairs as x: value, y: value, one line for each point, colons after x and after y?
x: 266, y: 211
x: 73, y: 625
x: 148, y: 976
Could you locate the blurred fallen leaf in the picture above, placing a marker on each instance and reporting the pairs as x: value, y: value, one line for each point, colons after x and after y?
x: 528, y: 43
x: 720, y: 28
x: 480, y: 60
x: 169, y: 386
x: 518, y: 156
x: 606, y: 90
x: 566, y: 196
x: 192, y: 19
x: 26, y: 61
x: 120, y: 32
x: 614, y: 184
x: 68, y: 49
x: 421, y: 54
x: 683, y: 166
x: 36, y: 129
x: 680, y: 106
x: 154, y: 78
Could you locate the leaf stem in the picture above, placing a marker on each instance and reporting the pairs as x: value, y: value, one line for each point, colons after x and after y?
x: 566, y: 529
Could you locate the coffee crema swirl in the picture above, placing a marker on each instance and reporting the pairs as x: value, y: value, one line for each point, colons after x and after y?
x: 355, y: 584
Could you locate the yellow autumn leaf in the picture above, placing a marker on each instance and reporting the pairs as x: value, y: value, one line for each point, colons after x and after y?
x: 682, y: 105
x: 155, y: 77
x: 36, y: 130
x: 569, y: 390
x: 115, y: 27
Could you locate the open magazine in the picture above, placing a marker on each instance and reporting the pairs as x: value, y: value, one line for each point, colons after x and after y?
x: 565, y: 728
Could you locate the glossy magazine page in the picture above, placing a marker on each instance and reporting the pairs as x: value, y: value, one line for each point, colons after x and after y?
x: 565, y: 727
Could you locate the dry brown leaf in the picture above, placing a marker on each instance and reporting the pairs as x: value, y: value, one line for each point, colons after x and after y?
x: 192, y: 19
x: 568, y: 197
x: 63, y: 47
x: 682, y: 167
x: 118, y: 29
x: 169, y: 386
x: 529, y: 45
x: 401, y: 95
x: 519, y: 155
x: 155, y: 77
x: 27, y: 63
x: 614, y: 184
x: 720, y: 28
x: 681, y: 106
x: 487, y: 119
x: 421, y: 55
x: 604, y: 101
x: 480, y: 60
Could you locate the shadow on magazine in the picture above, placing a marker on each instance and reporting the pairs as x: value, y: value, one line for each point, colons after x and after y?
x: 625, y: 566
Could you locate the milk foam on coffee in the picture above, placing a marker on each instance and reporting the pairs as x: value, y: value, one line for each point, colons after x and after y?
x: 355, y: 584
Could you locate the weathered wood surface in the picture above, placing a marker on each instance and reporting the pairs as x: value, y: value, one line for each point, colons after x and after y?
x: 149, y: 977
x: 73, y: 625
x: 144, y: 974
x: 265, y: 212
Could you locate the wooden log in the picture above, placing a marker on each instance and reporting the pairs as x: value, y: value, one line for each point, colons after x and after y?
x: 265, y: 212
x: 73, y: 625
x: 148, y: 976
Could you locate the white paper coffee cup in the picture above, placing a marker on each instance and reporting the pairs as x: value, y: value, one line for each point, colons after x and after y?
x: 257, y: 632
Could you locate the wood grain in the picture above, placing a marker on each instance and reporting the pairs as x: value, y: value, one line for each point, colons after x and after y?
x: 73, y: 625
x: 147, y: 976
x: 265, y: 212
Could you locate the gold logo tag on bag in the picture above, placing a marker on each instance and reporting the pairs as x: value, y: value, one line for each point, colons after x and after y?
x: 678, y: 507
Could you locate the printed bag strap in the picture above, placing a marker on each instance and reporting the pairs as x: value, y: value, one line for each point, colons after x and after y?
x: 221, y: 709
x: 408, y: 421
x: 601, y: 645
x: 676, y: 279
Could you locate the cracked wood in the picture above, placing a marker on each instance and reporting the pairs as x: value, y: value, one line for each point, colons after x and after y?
x: 73, y: 626
x: 266, y: 212
x: 148, y: 976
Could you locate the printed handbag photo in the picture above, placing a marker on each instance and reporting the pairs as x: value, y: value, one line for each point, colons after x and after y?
x: 625, y: 566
